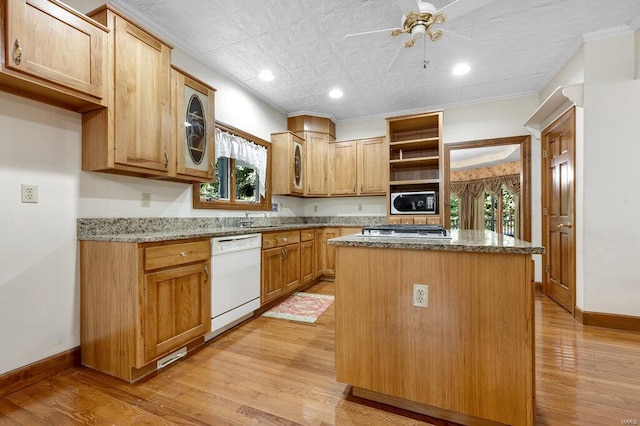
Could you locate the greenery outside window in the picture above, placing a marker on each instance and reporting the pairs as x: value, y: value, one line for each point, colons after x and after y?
x: 237, y: 182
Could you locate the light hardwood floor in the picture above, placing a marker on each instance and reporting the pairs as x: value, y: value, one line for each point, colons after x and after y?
x: 271, y: 371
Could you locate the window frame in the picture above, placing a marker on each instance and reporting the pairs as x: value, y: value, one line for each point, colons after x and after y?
x: 232, y: 203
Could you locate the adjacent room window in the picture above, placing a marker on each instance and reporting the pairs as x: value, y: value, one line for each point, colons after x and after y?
x: 242, y: 167
x: 500, y: 212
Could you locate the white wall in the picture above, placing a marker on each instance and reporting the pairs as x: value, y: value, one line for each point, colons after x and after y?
x: 611, y: 105
x: 611, y: 233
x: 38, y: 276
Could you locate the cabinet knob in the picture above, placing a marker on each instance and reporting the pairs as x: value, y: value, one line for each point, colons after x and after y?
x: 183, y: 253
x: 17, y: 52
x: 284, y: 239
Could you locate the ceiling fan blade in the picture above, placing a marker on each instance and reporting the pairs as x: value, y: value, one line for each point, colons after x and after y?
x: 407, y: 6
x: 459, y: 8
x: 370, y: 32
x: 456, y: 41
x: 396, y: 57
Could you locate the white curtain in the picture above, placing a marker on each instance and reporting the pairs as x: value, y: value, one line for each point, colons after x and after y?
x: 233, y: 146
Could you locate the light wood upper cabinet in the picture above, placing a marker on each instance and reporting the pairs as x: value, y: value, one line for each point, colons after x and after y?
x: 193, y: 118
x: 53, y: 53
x: 132, y: 135
x: 317, y: 161
x: 371, y: 166
x: 288, y: 164
x: 358, y: 167
x: 343, y: 166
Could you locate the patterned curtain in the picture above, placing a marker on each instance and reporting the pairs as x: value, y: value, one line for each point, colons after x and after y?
x: 471, y: 196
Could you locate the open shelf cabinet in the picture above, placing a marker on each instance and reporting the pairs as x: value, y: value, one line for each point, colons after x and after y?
x: 415, y: 160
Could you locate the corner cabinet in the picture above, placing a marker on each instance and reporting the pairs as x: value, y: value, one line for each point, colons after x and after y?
x: 133, y: 134
x: 156, y: 302
x: 288, y: 164
x: 75, y: 76
x: 192, y: 110
x: 415, y: 161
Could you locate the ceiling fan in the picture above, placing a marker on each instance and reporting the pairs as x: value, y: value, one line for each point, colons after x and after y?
x: 420, y: 18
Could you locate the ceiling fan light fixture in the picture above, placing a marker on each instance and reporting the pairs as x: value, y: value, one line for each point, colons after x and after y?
x: 335, y: 93
x: 461, y: 69
x: 266, y: 75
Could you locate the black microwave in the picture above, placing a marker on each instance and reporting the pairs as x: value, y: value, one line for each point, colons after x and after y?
x: 424, y: 202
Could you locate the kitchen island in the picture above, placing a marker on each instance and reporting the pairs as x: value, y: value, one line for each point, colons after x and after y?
x: 469, y: 355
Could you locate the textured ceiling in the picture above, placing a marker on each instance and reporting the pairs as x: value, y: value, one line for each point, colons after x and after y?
x: 518, y: 45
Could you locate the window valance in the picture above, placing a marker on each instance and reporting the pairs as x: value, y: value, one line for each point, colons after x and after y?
x: 234, y: 146
x: 490, y: 185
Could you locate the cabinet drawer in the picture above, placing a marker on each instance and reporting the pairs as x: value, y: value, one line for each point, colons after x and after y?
x: 307, y: 234
x: 277, y: 239
x: 163, y: 256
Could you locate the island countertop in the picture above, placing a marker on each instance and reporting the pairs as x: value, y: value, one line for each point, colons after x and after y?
x: 461, y: 240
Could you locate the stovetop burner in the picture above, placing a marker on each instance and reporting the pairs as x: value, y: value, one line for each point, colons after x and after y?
x: 407, y: 231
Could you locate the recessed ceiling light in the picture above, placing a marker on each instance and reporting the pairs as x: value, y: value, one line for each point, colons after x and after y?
x: 335, y: 93
x: 265, y: 75
x: 461, y: 69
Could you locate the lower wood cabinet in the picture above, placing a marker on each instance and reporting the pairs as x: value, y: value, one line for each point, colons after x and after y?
x: 141, y: 302
x: 280, y: 264
x: 307, y: 255
x: 329, y: 252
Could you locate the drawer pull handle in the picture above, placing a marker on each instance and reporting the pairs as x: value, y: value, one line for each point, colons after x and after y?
x: 166, y: 159
x: 206, y: 271
x: 284, y: 239
x: 17, y: 52
x: 183, y: 253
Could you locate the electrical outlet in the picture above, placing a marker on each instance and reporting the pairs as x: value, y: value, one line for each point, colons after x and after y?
x: 145, y: 201
x: 359, y: 207
x: 421, y: 295
x: 315, y: 208
x: 29, y: 193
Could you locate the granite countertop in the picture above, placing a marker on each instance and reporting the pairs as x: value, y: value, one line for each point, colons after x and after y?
x: 143, y: 230
x: 463, y: 240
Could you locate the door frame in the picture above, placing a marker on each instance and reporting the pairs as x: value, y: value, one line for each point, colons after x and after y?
x: 525, y: 176
x: 545, y: 205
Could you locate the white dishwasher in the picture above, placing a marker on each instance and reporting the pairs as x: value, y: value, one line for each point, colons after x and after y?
x: 235, y: 280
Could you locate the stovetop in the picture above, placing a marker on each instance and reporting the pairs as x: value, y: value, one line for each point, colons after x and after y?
x: 406, y: 231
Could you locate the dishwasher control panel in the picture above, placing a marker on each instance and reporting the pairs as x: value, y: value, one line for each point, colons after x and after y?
x: 234, y: 243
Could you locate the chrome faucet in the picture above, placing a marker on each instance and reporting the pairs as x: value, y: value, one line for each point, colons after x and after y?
x: 246, y: 221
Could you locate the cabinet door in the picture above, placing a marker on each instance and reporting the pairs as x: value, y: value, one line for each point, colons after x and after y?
x: 342, y: 170
x: 272, y: 272
x: 176, y: 308
x: 371, y: 166
x: 192, y: 109
x: 317, y: 153
x: 291, y: 267
x: 307, y: 260
x: 48, y: 40
x: 329, y: 252
x: 142, y: 105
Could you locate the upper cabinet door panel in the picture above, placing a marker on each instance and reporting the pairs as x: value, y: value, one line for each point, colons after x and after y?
x: 46, y: 39
x: 142, y: 98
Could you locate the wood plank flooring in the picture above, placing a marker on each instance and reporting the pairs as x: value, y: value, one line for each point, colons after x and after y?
x: 271, y: 371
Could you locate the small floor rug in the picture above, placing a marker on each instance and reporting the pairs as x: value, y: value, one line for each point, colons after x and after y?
x: 303, y: 307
